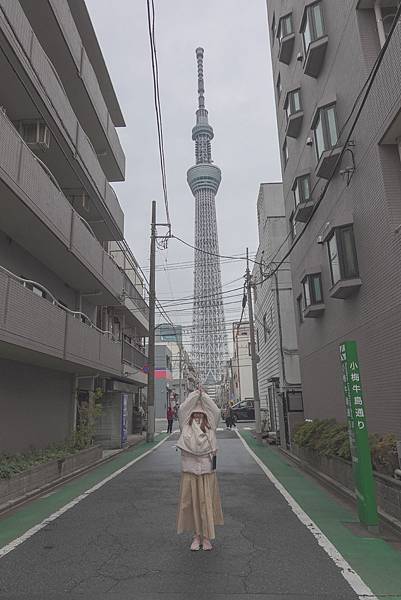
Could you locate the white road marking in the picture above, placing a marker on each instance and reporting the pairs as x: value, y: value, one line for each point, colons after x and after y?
x: 220, y: 429
x: 31, y: 532
x: 352, y: 578
x: 248, y: 428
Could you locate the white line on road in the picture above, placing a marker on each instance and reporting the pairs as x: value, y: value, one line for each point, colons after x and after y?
x: 353, y: 579
x: 247, y: 428
x: 31, y: 532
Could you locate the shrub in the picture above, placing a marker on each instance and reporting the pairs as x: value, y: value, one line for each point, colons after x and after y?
x: 329, y: 438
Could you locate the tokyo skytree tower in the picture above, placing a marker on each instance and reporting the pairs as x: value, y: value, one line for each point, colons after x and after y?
x: 209, y: 342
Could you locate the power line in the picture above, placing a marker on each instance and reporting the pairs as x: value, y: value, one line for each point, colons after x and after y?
x: 156, y: 97
x: 212, y: 253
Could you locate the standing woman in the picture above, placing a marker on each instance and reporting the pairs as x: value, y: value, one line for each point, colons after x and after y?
x: 170, y: 419
x: 200, y: 505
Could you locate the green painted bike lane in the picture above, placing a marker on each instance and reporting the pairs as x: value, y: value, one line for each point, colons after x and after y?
x: 375, y: 561
x: 26, y: 517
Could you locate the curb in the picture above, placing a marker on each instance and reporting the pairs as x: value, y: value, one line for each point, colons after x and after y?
x: 338, y: 487
x: 49, y: 487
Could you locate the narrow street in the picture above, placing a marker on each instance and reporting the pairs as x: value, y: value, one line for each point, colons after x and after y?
x: 120, y: 540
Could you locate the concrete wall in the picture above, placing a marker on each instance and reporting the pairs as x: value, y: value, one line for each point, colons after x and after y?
x: 36, y: 406
x: 274, y: 298
x: 372, y: 317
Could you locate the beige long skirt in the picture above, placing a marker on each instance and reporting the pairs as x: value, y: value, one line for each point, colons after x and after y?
x: 199, y: 507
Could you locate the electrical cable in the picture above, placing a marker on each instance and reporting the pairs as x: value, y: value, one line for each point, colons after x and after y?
x: 156, y: 93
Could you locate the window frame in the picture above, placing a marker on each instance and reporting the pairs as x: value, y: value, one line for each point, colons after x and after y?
x: 279, y: 87
x: 301, y: 195
x: 285, y: 152
x: 322, y: 116
x: 289, y: 105
x: 309, y: 18
x: 283, y: 19
x: 293, y: 226
x: 344, y: 269
x: 307, y: 284
x: 300, y: 308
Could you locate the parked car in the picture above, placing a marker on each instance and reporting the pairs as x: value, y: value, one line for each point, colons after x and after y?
x: 244, y: 410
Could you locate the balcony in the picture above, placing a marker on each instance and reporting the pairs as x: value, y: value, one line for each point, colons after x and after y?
x: 286, y: 48
x: 38, y: 330
x: 71, y: 152
x: 135, y: 305
x: 54, y: 25
x: 294, y: 124
x: 134, y: 363
x: 37, y: 216
x: 315, y: 57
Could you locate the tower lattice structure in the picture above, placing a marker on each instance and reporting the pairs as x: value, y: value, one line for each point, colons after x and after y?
x: 209, y: 342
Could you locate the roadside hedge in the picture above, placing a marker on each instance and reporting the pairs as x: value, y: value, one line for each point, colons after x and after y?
x: 329, y: 438
x: 10, y: 464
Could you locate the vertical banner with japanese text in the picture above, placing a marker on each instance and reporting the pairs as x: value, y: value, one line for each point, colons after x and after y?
x: 358, y: 434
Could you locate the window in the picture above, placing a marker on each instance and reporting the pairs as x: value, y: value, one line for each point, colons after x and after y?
x: 264, y: 328
x: 313, y: 26
x: 300, y: 310
x: 326, y: 134
x: 257, y: 339
x: 302, y: 190
x: 285, y: 27
x: 285, y: 154
x: 249, y: 349
x: 293, y: 103
x: 312, y: 290
x: 342, y: 254
x: 293, y: 228
x: 279, y: 87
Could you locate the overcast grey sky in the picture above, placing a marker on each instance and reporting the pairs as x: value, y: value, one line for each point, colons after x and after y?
x: 239, y: 97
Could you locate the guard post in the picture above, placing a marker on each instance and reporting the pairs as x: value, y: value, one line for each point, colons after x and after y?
x: 358, y: 436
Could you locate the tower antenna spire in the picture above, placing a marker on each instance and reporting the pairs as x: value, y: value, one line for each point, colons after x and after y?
x: 201, y: 82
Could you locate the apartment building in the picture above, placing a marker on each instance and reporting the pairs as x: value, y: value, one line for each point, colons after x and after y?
x: 164, y: 392
x: 345, y: 265
x: 276, y: 336
x: 72, y: 311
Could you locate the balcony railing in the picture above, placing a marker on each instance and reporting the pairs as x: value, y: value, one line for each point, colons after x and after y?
x: 42, y: 194
x: 133, y: 294
x: 34, y: 320
x: 133, y: 356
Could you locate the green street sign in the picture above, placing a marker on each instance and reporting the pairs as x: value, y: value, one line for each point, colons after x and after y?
x: 358, y: 435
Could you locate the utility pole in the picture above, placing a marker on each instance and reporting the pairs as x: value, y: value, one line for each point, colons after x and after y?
x: 150, y: 431
x: 254, y: 356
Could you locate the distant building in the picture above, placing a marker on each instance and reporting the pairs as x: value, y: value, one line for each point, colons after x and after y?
x: 276, y: 341
x: 184, y: 377
x: 164, y: 391
x: 73, y: 317
x: 346, y: 263
x: 241, y: 364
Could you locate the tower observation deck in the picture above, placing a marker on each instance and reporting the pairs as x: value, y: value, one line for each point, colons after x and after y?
x: 209, y: 342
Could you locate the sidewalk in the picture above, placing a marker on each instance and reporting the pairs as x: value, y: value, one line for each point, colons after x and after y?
x: 376, y: 560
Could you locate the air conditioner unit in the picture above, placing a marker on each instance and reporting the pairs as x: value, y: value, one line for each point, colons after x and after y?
x: 35, y: 133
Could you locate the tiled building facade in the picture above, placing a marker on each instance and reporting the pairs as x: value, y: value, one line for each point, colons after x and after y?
x: 345, y: 266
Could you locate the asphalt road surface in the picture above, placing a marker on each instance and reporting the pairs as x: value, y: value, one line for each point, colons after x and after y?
x: 120, y: 542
